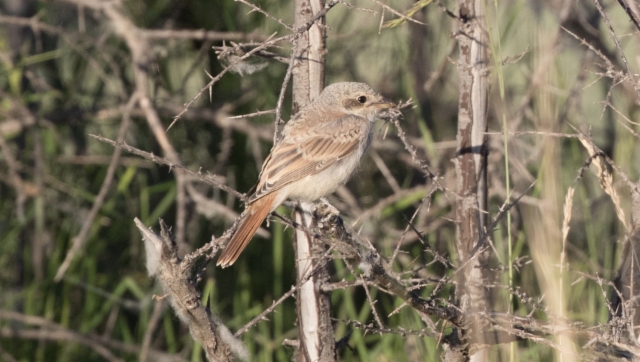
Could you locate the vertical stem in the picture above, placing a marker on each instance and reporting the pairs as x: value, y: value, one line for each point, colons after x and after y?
x: 314, y: 306
x: 471, y: 176
x: 497, y: 61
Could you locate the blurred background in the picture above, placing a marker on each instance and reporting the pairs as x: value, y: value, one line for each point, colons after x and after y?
x: 65, y: 73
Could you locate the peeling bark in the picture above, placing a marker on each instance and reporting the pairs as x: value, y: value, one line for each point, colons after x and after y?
x: 470, y: 164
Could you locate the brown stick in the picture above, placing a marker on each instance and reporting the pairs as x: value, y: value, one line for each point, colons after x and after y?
x: 471, y: 175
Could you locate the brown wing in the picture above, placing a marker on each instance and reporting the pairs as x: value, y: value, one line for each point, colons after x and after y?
x: 307, y: 151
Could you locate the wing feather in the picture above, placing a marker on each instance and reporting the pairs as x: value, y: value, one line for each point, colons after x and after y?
x: 305, y: 152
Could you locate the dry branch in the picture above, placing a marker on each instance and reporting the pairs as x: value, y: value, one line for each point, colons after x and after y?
x: 178, y: 281
x: 213, y: 180
x: 471, y: 179
x: 360, y: 254
x: 55, y: 332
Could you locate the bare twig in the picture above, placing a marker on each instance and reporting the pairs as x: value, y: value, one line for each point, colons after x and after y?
x: 632, y: 14
x: 55, y: 332
x: 254, y: 114
x: 212, y: 180
x: 273, y: 305
x: 283, y: 89
x: 372, y: 303
x: 258, y: 9
x: 79, y: 240
x: 198, y: 34
x: 270, y: 41
x: 395, y: 12
x: 370, y: 262
x: 158, y: 312
x: 401, y: 331
x: 406, y: 229
x: 633, y: 81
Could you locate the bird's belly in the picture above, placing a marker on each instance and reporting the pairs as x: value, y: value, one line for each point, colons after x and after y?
x: 327, y: 181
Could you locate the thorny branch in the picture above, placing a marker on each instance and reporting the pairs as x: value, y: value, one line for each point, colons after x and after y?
x: 358, y: 253
x: 178, y: 281
x: 270, y: 41
x: 213, y: 180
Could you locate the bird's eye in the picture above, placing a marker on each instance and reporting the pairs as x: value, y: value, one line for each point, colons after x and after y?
x: 362, y: 99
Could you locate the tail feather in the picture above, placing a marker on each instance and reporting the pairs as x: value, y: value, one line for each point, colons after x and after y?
x: 256, y: 214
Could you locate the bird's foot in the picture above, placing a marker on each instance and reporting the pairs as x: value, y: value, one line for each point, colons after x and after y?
x: 324, y: 210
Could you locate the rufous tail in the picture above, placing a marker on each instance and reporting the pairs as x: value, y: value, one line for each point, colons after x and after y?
x: 256, y: 213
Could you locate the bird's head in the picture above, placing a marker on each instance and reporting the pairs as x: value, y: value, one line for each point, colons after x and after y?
x: 355, y: 98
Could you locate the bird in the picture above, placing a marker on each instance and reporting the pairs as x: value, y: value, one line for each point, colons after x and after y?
x: 317, y: 152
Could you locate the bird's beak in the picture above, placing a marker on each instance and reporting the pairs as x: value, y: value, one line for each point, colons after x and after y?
x: 383, y: 104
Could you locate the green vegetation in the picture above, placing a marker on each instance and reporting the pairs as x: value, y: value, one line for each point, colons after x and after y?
x: 75, y: 77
